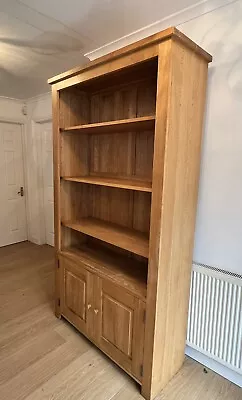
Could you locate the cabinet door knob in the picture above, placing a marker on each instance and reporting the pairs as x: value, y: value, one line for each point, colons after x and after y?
x: 89, y: 306
x: 95, y: 310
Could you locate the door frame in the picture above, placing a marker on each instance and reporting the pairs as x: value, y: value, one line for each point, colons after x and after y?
x: 36, y: 129
x: 23, y: 126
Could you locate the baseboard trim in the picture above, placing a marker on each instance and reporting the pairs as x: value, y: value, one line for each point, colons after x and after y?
x: 220, y: 369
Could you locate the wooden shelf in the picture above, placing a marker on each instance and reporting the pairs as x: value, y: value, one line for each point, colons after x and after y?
x: 112, y: 182
x: 124, y: 271
x: 126, y: 238
x: 131, y: 124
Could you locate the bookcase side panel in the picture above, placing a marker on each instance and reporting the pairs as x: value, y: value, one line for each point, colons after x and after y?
x: 178, y: 212
x: 56, y: 160
x: 163, y: 92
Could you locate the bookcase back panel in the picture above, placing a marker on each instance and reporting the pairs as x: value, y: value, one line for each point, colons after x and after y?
x: 74, y: 239
x: 74, y: 108
x: 128, y: 93
x: 75, y: 201
x: 136, y: 99
x: 108, y: 248
x: 123, y: 207
x: 74, y: 154
x: 122, y: 155
x: 126, y: 208
x: 111, y: 154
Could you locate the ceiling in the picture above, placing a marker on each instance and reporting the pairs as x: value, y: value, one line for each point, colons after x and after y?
x: 41, y: 38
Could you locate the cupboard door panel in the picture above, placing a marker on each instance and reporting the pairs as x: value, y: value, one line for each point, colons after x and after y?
x: 76, y: 293
x: 119, y: 318
x: 117, y: 324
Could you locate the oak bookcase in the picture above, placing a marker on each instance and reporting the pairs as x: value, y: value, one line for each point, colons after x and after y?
x: 127, y: 138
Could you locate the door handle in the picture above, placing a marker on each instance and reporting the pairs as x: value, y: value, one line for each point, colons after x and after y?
x: 21, y: 192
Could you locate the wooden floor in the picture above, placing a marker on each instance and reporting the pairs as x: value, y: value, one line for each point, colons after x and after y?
x: 42, y: 357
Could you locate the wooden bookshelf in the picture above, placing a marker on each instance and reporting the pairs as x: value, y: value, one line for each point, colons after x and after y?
x: 114, y: 234
x: 123, y: 125
x: 129, y: 184
x: 127, y: 134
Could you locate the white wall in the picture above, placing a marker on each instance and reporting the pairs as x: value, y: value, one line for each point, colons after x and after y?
x: 219, y: 219
x: 38, y: 110
x: 11, y: 110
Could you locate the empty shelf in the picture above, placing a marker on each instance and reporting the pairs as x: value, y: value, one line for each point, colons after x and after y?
x: 128, y: 239
x: 141, y: 186
x: 131, y: 124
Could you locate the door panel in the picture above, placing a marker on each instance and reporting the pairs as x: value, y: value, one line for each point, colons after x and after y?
x: 48, y: 183
x: 76, y: 295
x: 75, y: 285
x: 119, y: 319
x: 12, y: 198
x: 117, y: 324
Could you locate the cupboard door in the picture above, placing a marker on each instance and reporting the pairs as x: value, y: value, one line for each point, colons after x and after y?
x: 76, y: 293
x: 119, y: 318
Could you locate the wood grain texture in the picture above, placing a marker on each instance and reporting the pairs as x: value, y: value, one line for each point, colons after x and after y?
x: 114, y: 66
x: 163, y: 92
x: 105, y: 313
x: 74, y: 159
x: 121, y: 270
x: 124, y: 125
x: 74, y: 292
x: 182, y: 128
x: 103, y: 203
x: 124, y: 208
x: 112, y: 182
x: 156, y: 38
x: 56, y: 172
x: 122, y: 156
x: 125, y: 238
x: 74, y: 108
x: 118, y: 324
x: 133, y: 97
x: 43, y: 358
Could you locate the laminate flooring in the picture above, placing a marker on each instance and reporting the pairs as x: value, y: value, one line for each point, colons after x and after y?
x: 43, y: 358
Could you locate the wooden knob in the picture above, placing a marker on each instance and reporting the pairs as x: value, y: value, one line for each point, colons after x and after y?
x: 96, y: 310
x: 89, y: 306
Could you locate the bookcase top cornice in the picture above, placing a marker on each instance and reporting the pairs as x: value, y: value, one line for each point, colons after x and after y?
x: 169, y: 33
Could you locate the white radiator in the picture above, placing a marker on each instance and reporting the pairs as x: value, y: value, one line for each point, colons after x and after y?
x: 215, y: 315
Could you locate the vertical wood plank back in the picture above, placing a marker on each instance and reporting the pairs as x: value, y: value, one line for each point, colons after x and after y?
x: 74, y: 107
x: 74, y: 154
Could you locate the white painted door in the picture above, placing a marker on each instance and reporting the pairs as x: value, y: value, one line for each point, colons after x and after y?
x: 13, y: 227
x: 48, y: 187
